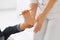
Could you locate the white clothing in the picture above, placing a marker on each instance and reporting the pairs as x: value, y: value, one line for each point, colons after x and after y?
x: 51, y: 26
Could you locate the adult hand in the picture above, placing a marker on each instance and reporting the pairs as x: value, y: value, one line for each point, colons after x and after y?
x: 40, y: 20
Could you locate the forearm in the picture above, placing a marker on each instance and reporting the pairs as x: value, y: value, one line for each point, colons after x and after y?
x: 48, y: 7
x: 33, y: 9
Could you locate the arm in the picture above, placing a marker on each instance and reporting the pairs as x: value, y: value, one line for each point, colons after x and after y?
x: 33, y: 9
x: 48, y: 7
x: 41, y: 17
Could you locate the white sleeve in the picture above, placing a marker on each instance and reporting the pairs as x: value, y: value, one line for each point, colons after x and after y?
x: 33, y: 1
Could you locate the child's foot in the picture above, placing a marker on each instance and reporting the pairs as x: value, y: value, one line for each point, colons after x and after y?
x: 27, y: 17
x: 24, y: 26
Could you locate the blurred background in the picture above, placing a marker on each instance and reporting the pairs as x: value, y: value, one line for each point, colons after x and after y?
x: 9, y: 16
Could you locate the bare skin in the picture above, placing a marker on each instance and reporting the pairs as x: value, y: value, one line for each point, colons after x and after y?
x: 28, y: 22
x: 31, y: 16
x: 43, y: 15
x: 33, y: 9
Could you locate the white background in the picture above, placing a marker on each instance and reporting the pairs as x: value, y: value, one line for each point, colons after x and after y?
x: 9, y: 16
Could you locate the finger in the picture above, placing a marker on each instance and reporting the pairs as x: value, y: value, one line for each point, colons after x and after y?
x: 35, y: 31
